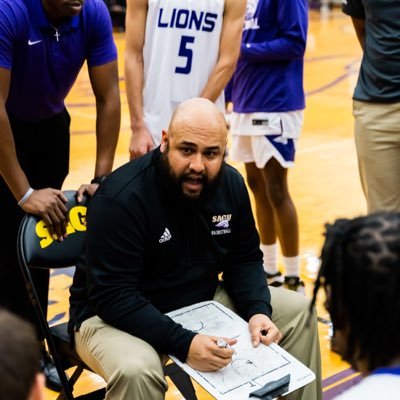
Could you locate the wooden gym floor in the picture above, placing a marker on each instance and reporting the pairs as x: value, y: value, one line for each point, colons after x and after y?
x: 324, y: 183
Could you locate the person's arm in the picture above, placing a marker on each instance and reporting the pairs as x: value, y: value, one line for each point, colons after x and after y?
x: 290, y: 44
x: 359, y: 27
x: 229, y: 49
x: 355, y: 9
x: 105, y: 84
x: 115, y: 252
x: 10, y: 168
x: 47, y: 203
x: 136, y: 13
x: 104, y: 80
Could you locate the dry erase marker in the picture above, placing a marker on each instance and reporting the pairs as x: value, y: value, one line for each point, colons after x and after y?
x: 222, y: 343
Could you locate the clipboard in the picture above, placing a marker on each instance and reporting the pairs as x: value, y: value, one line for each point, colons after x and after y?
x: 252, y: 369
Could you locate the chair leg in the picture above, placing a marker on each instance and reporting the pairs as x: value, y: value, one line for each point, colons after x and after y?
x: 181, y: 380
x: 97, y: 395
x: 77, y: 373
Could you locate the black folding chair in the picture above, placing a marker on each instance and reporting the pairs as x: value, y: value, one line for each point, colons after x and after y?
x: 37, y: 249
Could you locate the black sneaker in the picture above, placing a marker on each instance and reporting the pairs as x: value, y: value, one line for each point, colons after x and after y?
x: 275, y: 280
x: 49, y: 370
x: 294, y: 283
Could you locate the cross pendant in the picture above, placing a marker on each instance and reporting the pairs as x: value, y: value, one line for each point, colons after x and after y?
x: 57, y: 35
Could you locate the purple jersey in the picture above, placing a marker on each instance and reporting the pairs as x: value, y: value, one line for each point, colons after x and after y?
x: 45, y: 62
x: 269, y: 73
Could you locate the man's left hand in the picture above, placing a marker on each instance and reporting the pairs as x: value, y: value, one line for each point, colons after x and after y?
x: 263, y: 330
x: 86, y: 189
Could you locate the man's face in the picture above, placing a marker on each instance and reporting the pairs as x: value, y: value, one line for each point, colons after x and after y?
x: 194, y: 158
x: 57, y: 9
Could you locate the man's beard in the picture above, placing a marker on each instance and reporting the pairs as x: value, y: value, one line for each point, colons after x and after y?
x: 175, y: 183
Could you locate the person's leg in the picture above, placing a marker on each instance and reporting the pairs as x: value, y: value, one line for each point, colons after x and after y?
x: 43, y: 153
x: 277, y: 191
x: 377, y: 138
x: 276, y: 186
x: 291, y: 314
x: 46, y: 164
x: 264, y: 212
x: 131, y: 368
x: 265, y: 223
x: 12, y: 289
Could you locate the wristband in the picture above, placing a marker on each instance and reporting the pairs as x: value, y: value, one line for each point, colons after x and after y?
x: 99, y: 179
x: 25, y: 197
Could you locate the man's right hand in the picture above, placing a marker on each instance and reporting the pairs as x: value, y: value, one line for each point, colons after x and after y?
x: 205, y: 355
x: 50, y: 205
x: 141, y: 143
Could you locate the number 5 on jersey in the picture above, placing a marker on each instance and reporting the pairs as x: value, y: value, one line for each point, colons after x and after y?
x: 187, y: 52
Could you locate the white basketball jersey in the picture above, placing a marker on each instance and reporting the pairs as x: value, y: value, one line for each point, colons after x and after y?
x: 180, y: 52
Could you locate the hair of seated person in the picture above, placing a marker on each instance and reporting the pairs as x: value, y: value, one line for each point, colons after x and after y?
x: 19, y: 357
x: 360, y: 261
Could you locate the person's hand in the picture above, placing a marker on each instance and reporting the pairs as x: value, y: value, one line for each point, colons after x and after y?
x: 205, y: 355
x: 49, y: 204
x: 263, y: 330
x: 141, y: 143
x: 89, y: 189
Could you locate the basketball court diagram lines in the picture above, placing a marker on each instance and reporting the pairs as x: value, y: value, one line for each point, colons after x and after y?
x: 248, y: 365
x: 208, y: 319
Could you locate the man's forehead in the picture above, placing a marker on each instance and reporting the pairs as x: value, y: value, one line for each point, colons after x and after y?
x: 200, y: 136
x: 209, y: 145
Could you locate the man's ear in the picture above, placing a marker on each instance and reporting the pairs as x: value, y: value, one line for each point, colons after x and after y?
x: 37, y: 391
x: 164, y: 141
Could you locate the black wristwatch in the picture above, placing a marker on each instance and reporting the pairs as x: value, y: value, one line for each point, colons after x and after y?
x: 98, y: 179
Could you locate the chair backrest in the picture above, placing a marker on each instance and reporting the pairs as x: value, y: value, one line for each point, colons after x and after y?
x: 37, y: 249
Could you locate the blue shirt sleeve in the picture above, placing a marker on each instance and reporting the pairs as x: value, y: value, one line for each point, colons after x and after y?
x: 9, y: 23
x: 292, y: 20
x: 101, y: 48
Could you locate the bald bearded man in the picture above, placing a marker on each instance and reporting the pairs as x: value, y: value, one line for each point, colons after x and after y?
x: 155, y: 243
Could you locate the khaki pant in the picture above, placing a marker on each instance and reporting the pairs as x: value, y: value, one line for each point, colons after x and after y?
x: 377, y: 137
x: 133, y: 369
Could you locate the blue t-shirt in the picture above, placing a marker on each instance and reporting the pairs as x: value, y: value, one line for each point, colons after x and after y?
x: 379, y: 77
x: 269, y: 73
x: 45, y: 66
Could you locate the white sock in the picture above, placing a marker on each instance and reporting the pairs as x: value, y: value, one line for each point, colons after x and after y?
x: 292, y: 265
x: 270, y: 252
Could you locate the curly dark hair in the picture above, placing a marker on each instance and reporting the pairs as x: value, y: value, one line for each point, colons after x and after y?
x: 360, y: 263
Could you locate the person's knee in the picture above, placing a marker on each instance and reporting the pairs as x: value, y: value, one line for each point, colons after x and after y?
x: 299, y: 304
x: 290, y: 305
x: 138, y: 376
x: 256, y: 184
x: 276, y: 193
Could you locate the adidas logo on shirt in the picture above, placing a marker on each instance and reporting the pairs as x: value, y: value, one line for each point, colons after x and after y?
x: 165, y: 236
